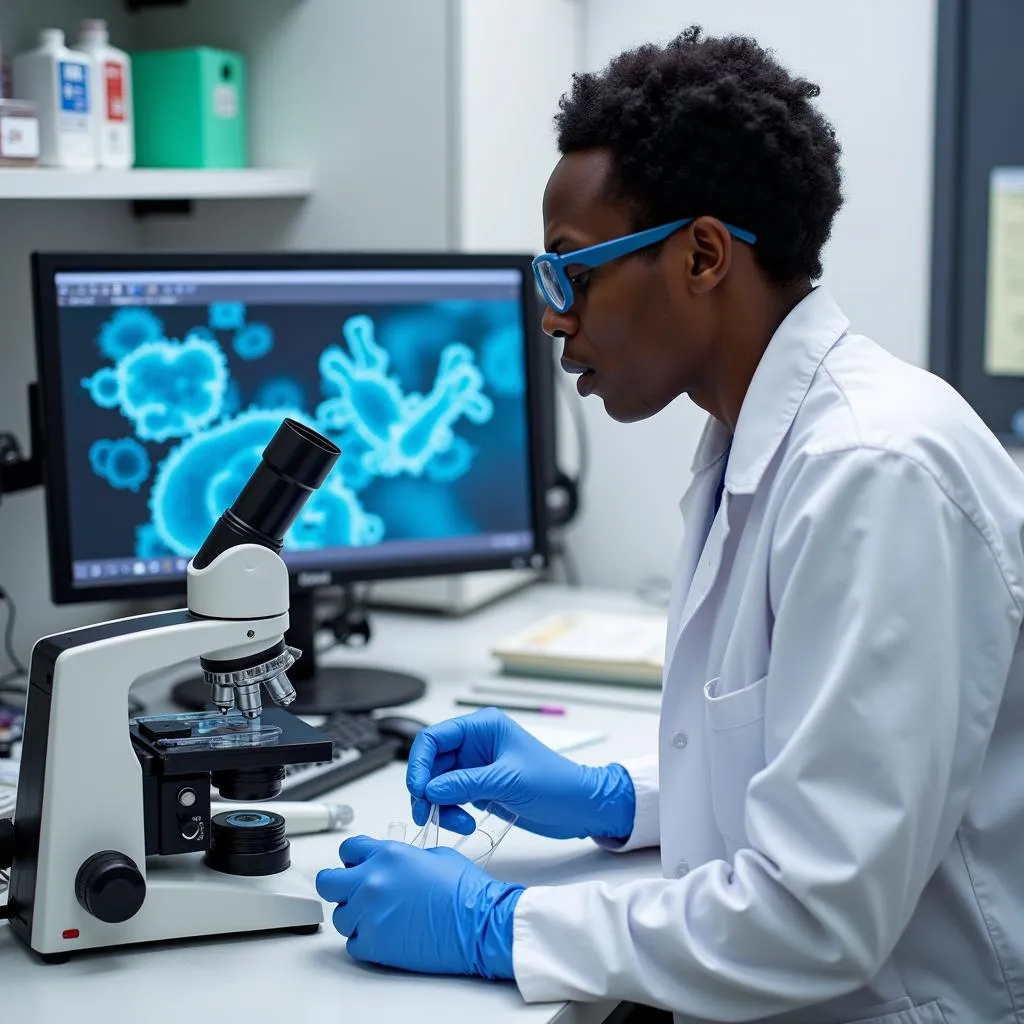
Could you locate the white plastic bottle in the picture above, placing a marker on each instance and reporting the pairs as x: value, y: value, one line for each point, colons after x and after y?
x: 112, y: 81
x: 58, y: 81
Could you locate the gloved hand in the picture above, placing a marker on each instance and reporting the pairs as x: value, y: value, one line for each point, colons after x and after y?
x: 486, y: 758
x: 433, y: 911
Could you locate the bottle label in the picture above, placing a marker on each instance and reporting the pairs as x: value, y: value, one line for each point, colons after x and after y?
x: 74, y: 87
x: 113, y: 73
x: 225, y: 101
x: 19, y: 138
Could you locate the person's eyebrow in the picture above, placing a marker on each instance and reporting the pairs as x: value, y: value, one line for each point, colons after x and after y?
x: 554, y: 244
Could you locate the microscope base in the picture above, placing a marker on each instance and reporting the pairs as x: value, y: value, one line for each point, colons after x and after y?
x: 185, y: 900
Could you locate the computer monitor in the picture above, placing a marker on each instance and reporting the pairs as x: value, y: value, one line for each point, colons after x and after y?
x: 163, y: 376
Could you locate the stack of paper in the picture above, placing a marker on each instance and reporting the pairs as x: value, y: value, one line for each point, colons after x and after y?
x: 601, y: 646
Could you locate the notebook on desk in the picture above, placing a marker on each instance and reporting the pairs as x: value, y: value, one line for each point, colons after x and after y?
x: 610, y: 647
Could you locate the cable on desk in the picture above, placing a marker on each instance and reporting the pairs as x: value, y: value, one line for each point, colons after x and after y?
x: 18, y: 671
x: 561, y: 554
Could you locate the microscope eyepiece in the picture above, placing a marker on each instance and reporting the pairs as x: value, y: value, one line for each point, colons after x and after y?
x: 295, y: 463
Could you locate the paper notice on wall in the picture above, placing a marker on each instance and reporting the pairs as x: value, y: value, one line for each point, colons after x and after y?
x: 1004, y: 313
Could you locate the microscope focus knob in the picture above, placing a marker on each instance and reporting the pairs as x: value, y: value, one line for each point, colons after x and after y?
x: 110, y: 886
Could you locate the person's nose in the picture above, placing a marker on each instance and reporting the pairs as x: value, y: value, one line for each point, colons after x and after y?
x: 559, y: 325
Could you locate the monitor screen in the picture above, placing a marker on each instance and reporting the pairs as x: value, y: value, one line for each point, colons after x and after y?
x: 163, y: 378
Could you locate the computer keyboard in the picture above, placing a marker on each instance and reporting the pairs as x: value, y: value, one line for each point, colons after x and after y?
x: 359, y: 748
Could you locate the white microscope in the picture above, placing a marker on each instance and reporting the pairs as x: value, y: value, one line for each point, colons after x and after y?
x: 112, y: 841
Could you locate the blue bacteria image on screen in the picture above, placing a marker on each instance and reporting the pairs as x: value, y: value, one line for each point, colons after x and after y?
x: 502, y: 361
x: 402, y: 432
x: 357, y: 474
x: 206, y: 472
x: 232, y: 402
x: 414, y: 338
x: 452, y: 463
x: 414, y: 507
x: 124, y: 463
x: 127, y: 329
x: 201, y: 333
x: 104, y: 388
x: 226, y: 316
x: 333, y: 517
x: 172, y: 389
x: 253, y: 341
x: 280, y: 393
x: 148, y: 543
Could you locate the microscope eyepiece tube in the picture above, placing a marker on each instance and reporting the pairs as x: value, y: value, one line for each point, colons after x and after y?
x: 295, y: 463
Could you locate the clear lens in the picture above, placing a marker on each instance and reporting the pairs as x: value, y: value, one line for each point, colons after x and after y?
x: 552, y: 286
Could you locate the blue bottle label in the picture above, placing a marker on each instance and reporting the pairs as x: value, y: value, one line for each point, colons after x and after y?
x: 74, y: 87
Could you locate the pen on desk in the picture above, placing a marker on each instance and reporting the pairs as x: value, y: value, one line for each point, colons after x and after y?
x: 301, y: 817
x: 596, y: 702
x: 539, y: 709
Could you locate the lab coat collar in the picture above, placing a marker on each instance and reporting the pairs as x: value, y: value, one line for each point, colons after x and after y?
x: 776, y: 391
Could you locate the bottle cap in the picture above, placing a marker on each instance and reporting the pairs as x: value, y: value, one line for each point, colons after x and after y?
x: 52, y: 37
x: 94, y: 27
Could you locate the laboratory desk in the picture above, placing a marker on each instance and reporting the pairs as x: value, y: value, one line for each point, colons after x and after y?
x: 275, y: 979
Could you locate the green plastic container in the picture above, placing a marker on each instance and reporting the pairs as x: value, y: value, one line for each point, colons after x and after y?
x: 190, y: 108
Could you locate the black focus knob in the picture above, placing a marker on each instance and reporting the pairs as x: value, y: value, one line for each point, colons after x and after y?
x: 110, y: 886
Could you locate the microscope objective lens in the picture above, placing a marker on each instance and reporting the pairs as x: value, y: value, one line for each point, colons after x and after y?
x: 223, y: 697
x: 281, y: 689
x: 248, y: 699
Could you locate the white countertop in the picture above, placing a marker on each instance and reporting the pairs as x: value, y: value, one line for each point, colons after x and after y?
x: 299, y: 979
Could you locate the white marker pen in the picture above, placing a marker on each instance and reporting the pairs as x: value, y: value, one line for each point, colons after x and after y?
x: 302, y: 817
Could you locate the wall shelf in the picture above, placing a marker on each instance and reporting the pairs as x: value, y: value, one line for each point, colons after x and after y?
x: 143, y: 184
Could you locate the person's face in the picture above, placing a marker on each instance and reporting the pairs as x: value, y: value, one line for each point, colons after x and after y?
x: 640, y: 327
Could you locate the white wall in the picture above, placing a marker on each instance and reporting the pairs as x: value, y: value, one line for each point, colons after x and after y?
x: 514, y: 60
x: 874, y: 61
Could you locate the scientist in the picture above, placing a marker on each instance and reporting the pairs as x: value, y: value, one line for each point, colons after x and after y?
x: 839, y: 788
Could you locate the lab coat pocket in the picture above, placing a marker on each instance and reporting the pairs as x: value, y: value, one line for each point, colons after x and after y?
x: 929, y: 1013
x: 734, y: 727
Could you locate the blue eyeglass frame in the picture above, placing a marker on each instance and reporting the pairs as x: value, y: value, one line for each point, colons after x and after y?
x: 604, y: 252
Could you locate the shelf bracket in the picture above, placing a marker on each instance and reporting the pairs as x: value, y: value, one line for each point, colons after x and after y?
x: 141, y: 5
x: 162, y: 208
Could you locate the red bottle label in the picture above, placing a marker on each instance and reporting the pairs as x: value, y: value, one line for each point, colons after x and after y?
x: 114, y: 75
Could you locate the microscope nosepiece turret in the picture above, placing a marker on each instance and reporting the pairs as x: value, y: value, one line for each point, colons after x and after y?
x: 239, y: 681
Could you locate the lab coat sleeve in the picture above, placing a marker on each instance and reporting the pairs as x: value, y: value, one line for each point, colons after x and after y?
x: 893, y: 632
x: 643, y: 773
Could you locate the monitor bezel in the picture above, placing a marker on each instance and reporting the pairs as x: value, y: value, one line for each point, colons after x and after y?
x: 46, y: 267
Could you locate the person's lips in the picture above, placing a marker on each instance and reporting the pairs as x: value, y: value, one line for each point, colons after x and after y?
x: 572, y: 366
x: 585, y: 382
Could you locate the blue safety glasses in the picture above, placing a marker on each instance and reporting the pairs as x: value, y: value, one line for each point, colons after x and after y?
x: 554, y: 283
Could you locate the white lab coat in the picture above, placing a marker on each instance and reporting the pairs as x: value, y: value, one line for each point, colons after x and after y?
x: 840, y: 801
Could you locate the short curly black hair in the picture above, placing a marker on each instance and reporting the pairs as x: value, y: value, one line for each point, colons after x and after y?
x: 714, y: 126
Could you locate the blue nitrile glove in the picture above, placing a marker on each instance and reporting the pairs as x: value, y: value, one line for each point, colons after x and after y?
x: 432, y: 911
x: 485, y: 757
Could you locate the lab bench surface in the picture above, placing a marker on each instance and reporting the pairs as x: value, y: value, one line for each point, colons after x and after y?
x: 311, y: 979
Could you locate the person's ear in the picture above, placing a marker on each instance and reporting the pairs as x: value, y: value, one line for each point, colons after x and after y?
x: 710, y: 254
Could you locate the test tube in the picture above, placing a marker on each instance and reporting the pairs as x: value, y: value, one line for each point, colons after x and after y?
x: 480, y: 844
x: 426, y: 838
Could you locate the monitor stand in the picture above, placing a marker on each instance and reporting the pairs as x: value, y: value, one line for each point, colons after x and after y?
x: 321, y: 690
